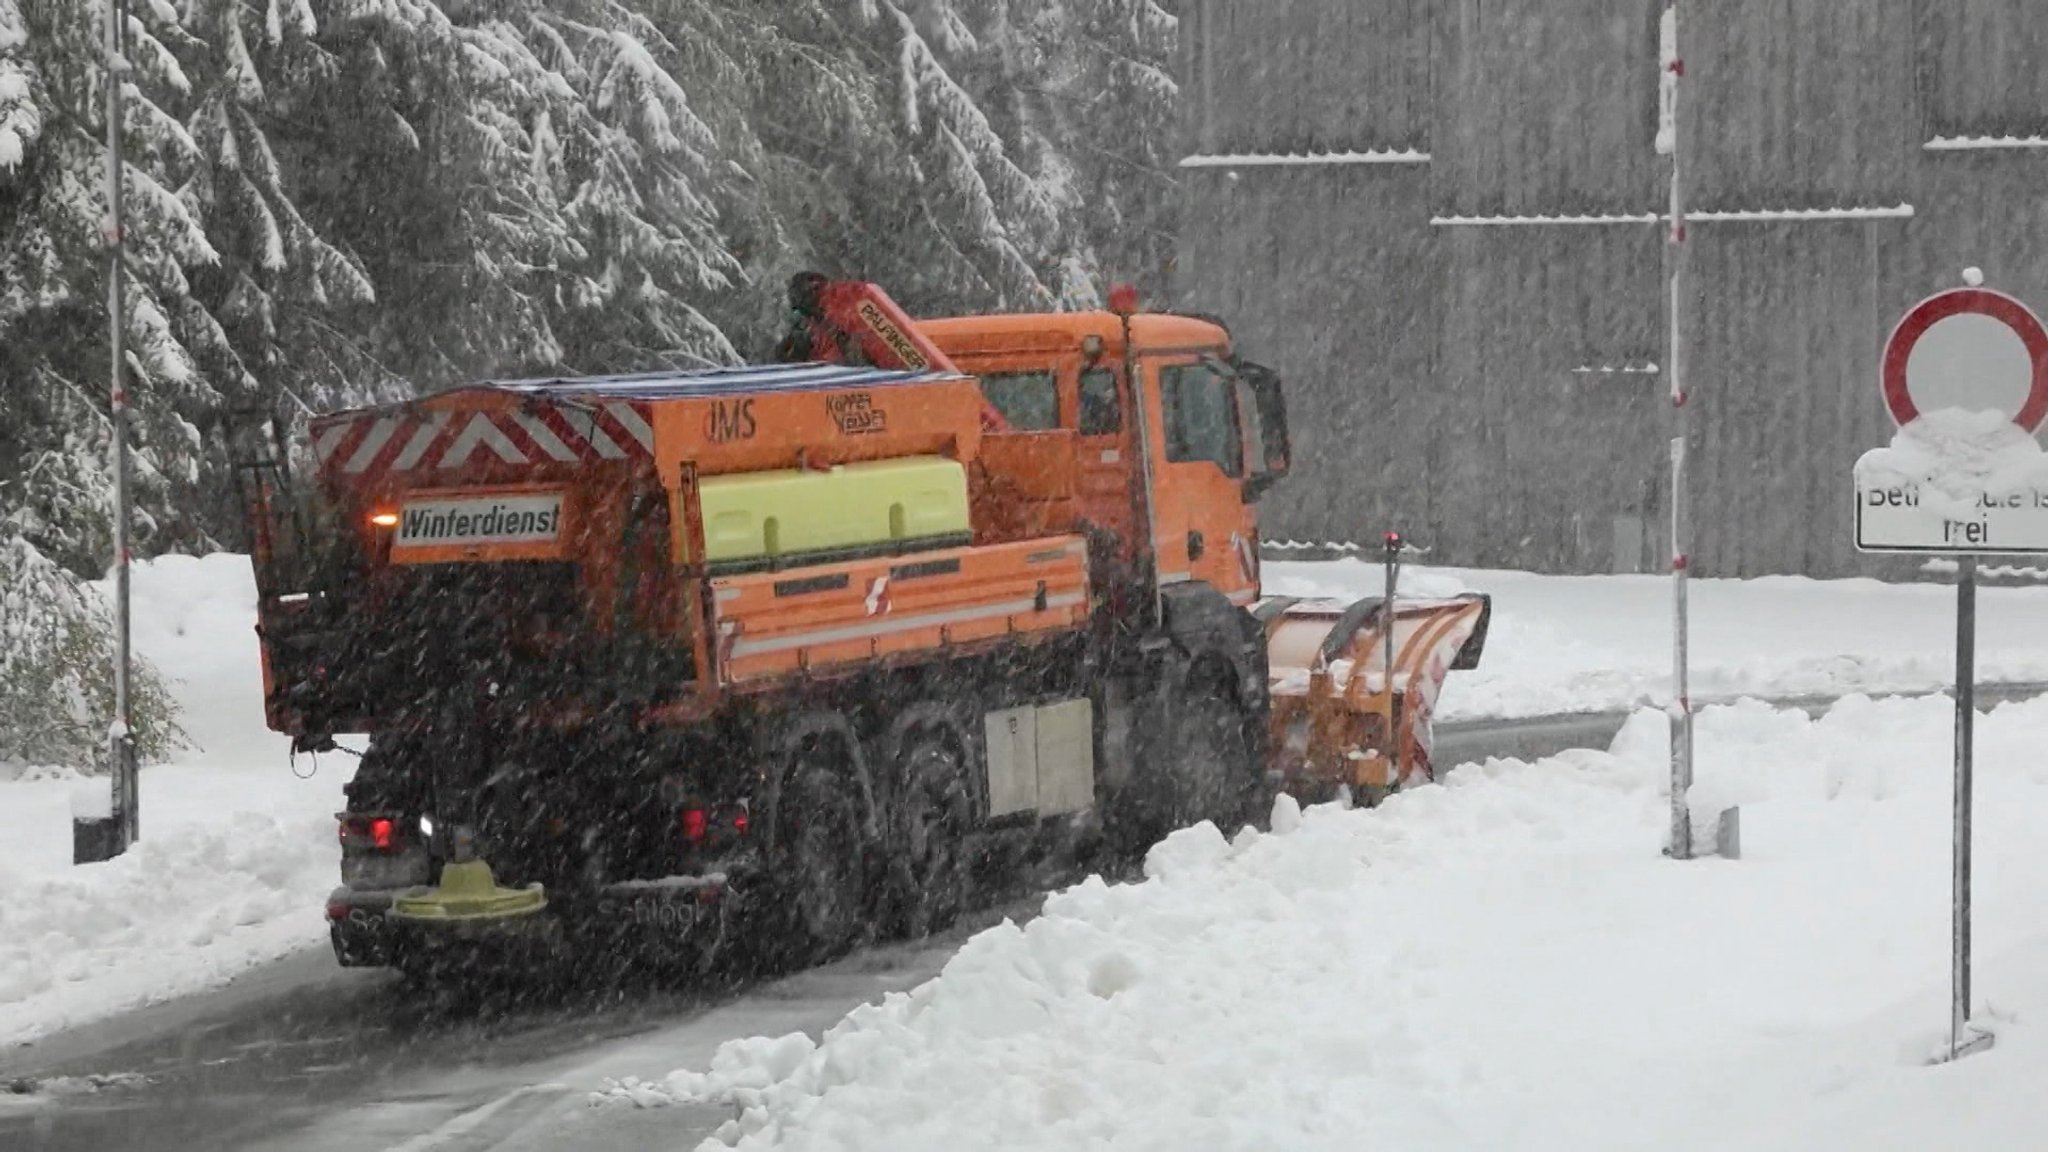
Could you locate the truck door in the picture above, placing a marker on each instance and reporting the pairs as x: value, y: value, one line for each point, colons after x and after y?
x: 1198, y: 477
x: 1102, y: 452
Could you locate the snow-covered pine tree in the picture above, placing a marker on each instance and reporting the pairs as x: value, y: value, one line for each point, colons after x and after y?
x: 987, y: 217
x: 20, y: 120
x: 527, y: 185
x: 638, y: 165
x: 969, y: 153
x: 1010, y: 55
x: 403, y: 141
x: 1088, y: 92
x: 56, y: 686
x: 55, y: 657
x: 821, y: 171
x: 1122, y: 133
x: 284, y: 293
x: 52, y: 311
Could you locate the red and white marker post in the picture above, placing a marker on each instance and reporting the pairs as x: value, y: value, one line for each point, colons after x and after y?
x: 1671, y: 72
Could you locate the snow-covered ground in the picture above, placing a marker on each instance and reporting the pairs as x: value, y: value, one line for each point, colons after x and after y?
x: 1601, y: 643
x: 237, y: 854
x: 1506, y: 961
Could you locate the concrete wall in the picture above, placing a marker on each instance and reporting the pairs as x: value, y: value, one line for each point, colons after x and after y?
x: 1460, y: 380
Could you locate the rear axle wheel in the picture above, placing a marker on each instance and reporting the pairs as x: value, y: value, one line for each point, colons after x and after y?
x: 931, y: 870
x: 1218, y: 779
x: 820, y: 849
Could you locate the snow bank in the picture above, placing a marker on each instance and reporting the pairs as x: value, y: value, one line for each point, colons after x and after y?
x: 237, y: 854
x: 1603, y: 643
x: 1502, y: 962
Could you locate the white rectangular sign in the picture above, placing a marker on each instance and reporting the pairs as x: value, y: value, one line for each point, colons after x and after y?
x: 533, y: 519
x: 1896, y: 518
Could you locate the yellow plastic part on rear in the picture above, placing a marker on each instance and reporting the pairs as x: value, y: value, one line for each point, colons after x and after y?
x: 467, y: 893
x: 755, y: 515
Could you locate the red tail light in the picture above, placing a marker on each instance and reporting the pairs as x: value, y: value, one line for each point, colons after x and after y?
x: 696, y: 822
x: 376, y: 833
x: 739, y: 821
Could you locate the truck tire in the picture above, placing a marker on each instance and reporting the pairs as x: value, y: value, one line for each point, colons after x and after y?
x: 1192, y: 763
x: 931, y: 870
x: 820, y: 850
x: 1215, y: 775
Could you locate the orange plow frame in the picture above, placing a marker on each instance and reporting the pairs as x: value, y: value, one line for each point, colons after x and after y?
x: 1337, y: 721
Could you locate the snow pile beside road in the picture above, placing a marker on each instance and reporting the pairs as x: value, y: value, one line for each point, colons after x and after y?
x: 1502, y: 962
x: 1603, y: 643
x: 186, y: 908
x: 237, y: 854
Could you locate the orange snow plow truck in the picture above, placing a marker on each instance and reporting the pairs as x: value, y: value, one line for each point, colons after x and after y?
x: 784, y: 654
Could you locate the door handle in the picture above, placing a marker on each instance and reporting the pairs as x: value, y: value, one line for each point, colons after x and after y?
x: 1195, y: 546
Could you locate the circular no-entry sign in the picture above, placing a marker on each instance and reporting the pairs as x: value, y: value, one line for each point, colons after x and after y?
x: 1969, y: 348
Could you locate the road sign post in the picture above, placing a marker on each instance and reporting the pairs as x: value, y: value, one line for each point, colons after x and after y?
x: 1965, y: 376
x: 1960, y: 1039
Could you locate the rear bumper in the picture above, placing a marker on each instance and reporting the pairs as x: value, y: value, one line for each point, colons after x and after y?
x: 688, y: 912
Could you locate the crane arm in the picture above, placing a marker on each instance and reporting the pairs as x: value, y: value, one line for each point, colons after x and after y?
x: 855, y: 322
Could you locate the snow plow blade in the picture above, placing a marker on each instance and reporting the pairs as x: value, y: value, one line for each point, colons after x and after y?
x: 1338, y: 720
x: 468, y: 894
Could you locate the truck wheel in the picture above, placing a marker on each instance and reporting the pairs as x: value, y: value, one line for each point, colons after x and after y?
x: 931, y: 871
x: 819, y: 839
x: 1192, y: 763
x: 1216, y: 776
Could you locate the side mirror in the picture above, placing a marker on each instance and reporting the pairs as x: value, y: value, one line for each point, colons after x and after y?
x: 1269, y: 408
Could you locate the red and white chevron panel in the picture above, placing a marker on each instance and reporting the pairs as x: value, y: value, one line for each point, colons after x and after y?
x: 370, y: 445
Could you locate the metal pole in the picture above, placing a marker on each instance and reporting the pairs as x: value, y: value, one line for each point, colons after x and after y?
x: 1392, y: 541
x: 1681, y: 695
x: 120, y: 733
x: 1141, y: 426
x: 1966, y: 715
x: 1206, y: 46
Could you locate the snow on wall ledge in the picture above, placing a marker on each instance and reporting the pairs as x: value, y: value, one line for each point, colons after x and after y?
x: 1704, y: 216
x: 1505, y: 961
x: 1304, y: 159
x: 1984, y: 143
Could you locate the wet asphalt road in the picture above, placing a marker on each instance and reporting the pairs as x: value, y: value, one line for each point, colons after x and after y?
x: 232, y: 1068
x: 303, y: 1055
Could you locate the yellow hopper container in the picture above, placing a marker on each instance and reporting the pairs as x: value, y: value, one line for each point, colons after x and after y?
x: 767, y: 516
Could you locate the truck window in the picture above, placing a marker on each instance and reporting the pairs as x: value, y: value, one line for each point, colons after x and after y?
x: 1254, y: 423
x: 1201, y: 419
x: 1028, y: 400
x: 1101, y: 411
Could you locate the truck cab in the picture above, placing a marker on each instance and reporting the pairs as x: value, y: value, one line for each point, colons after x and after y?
x: 1181, y: 507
